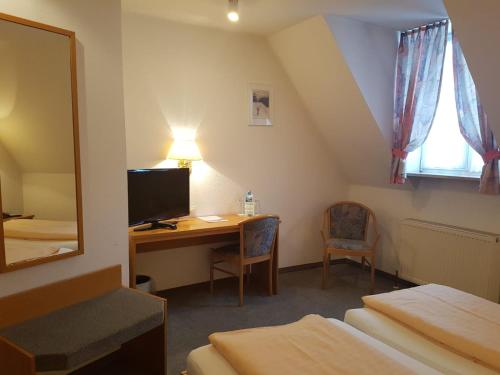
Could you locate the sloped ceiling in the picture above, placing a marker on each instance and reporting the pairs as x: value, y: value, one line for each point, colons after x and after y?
x: 265, y: 17
x: 322, y: 45
x: 36, y: 126
x: 476, y: 24
x: 315, y: 64
x: 370, y: 52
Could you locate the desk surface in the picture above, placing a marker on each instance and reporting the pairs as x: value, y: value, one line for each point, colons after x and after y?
x: 189, y: 232
x: 192, y: 227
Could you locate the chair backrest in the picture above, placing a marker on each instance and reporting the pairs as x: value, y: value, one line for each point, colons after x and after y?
x: 258, y: 236
x: 349, y: 220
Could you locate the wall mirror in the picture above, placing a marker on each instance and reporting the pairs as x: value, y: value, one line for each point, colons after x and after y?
x: 39, y: 149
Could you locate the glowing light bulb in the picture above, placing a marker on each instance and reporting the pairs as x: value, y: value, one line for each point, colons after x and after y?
x: 233, y: 16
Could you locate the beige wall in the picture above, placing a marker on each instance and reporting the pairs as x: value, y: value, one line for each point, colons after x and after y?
x: 315, y: 63
x: 366, y: 45
x: 98, y: 29
x: 12, y: 183
x: 476, y: 25
x: 50, y: 196
x: 178, y: 76
x: 446, y: 201
x: 443, y: 201
x: 37, y: 130
x: 327, y: 62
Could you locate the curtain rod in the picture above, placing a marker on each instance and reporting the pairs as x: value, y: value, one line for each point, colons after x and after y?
x: 428, y: 26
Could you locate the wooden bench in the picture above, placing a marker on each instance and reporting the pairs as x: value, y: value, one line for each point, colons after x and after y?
x: 85, y: 325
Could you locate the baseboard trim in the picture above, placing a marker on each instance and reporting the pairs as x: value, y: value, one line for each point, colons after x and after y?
x: 308, y: 266
x: 398, y: 282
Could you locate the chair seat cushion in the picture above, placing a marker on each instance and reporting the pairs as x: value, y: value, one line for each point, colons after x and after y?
x: 348, y: 244
x: 228, y: 250
x: 80, y: 333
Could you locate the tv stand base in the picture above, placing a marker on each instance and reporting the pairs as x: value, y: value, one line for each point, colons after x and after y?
x: 158, y: 225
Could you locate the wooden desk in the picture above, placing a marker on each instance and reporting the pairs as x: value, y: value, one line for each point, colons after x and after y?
x: 191, y: 232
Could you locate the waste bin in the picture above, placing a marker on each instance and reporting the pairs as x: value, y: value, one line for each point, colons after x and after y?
x: 143, y: 282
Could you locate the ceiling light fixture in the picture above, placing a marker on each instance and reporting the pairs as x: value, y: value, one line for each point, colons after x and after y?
x: 232, y: 11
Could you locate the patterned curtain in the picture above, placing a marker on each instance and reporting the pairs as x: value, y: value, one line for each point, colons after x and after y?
x: 418, y: 81
x: 473, y: 122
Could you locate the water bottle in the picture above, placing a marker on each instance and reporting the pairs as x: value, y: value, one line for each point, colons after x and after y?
x: 249, y: 204
x: 249, y: 197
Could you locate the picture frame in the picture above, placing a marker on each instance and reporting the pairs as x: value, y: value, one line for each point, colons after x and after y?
x: 261, y: 105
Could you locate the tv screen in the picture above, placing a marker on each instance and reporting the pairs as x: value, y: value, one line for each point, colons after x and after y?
x: 157, y: 194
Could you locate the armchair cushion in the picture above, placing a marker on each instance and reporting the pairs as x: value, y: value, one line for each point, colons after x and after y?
x: 348, y: 221
x: 347, y: 244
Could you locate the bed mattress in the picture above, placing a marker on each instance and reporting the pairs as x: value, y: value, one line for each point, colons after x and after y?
x: 207, y: 361
x: 413, y: 344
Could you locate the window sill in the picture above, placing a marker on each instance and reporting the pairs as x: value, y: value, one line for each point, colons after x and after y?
x: 443, y: 176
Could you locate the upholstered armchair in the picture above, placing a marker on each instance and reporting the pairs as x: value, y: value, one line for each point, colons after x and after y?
x: 345, y: 232
x: 257, y: 242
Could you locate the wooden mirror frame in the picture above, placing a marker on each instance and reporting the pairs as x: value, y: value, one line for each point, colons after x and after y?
x: 76, y: 148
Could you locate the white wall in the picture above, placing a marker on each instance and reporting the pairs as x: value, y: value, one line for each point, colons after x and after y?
x: 50, y: 196
x: 181, y: 76
x: 98, y: 29
x: 444, y: 201
x: 369, y: 50
x: 476, y: 25
x: 314, y: 61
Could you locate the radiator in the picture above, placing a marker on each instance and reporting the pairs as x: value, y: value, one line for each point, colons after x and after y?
x: 461, y: 258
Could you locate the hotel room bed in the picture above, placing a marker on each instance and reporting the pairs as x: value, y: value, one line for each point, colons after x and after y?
x: 432, y: 327
x: 18, y: 250
x: 28, y: 239
x: 413, y: 344
x: 206, y: 360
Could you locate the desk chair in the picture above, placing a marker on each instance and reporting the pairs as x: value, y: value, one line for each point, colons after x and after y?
x: 257, y: 242
x: 345, y: 232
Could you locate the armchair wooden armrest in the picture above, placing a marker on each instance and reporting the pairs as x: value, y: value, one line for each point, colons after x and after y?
x: 323, y: 235
x: 324, y: 229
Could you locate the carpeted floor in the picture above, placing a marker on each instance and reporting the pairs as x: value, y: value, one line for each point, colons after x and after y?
x: 193, y: 313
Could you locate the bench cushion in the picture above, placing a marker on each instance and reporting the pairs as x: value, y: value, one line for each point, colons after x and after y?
x: 77, y: 334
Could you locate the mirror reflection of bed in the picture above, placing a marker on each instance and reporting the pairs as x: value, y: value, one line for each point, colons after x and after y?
x: 28, y: 239
x: 37, y: 153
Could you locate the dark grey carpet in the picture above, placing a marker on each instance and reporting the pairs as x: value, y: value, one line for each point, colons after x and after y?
x: 193, y: 313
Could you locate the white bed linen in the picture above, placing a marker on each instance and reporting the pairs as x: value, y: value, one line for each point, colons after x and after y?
x: 207, y: 361
x: 413, y: 344
x: 36, y: 229
x: 17, y: 250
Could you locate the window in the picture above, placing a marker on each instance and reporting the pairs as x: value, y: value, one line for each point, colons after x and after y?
x: 445, y: 152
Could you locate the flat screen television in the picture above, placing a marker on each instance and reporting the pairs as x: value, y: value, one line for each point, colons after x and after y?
x: 157, y: 194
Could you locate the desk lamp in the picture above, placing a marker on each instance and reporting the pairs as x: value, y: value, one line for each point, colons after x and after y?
x: 185, y: 152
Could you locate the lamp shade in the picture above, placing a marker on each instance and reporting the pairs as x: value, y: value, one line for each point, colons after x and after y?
x: 184, y: 150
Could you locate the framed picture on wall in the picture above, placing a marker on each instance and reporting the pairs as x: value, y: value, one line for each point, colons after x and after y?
x: 261, y: 105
